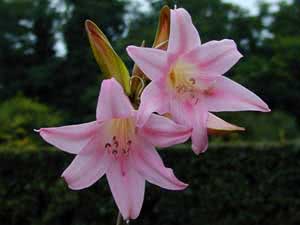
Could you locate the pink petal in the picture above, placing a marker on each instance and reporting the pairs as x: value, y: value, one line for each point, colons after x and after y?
x: 217, y: 124
x: 70, y: 138
x: 183, y: 35
x: 149, y: 164
x: 88, y: 166
x: 199, y: 133
x: 153, y: 62
x: 181, y: 112
x: 112, y: 101
x: 193, y: 116
x: 214, y: 58
x: 153, y: 99
x: 163, y: 132
x: 227, y: 95
x: 127, y: 187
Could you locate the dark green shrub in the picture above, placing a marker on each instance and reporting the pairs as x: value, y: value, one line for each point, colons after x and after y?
x: 229, y: 185
x: 276, y: 126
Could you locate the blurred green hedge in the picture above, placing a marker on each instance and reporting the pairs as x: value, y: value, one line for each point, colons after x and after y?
x: 19, y: 115
x: 229, y: 185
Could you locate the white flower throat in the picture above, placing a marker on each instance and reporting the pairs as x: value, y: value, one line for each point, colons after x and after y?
x: 182, y: 81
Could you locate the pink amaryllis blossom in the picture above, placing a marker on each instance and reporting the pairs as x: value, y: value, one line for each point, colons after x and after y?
x: 187, y: 79
x: 115, y: 146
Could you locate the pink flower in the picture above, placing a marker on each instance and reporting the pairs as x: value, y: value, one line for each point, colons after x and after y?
x: 187, y: 79
x: 114, y: 146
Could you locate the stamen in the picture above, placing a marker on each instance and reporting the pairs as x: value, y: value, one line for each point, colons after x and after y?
x: 192, y: 80
x: 122, y: 130
x: 182, y: 81
x: 116, y: 144
x: 108, y: 147
x: 115, y: 152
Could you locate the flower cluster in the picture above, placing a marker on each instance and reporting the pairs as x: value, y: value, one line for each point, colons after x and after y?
x: 186, y: 85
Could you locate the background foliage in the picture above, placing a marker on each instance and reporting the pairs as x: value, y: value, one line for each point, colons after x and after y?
x: 233, y: 184
x: 67, y: 79
x: 48, y: 77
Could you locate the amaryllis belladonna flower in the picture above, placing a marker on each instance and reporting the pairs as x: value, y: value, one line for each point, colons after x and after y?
x: 114, y: 146
x: 187, y: 79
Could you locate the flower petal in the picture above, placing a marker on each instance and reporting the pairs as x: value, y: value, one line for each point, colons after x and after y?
x: 70, y: 138
x: 112, y: 101
x: 214, y: 58
x: 153, y: 62
x: 183, y: 35
x: 216, y: 125
x: 199, y: 133
x: 149, y: 164
x: 127, y: 187
x: 180, y: 112
x: 227, y: 95
x: 88, y: 166
x: 153, y: 99
x: 193, y: 116
x: 163, y: 132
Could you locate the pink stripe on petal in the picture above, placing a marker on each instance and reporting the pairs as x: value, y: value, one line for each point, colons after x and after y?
x: 214, y: 58
x: 70, y: 138
x: 149, y: 164
x: 227, y: 95
x: 183, y: 35
x: 182, y: 112
x: 88, y: 167
x: 153, y: 62
x: 163, y: 132
x: 127, y: 187
x: 112, y: 101
x: 195, y: 117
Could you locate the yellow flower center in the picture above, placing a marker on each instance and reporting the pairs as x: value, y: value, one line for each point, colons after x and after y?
x: 181, y: 80
x: 121, y: 135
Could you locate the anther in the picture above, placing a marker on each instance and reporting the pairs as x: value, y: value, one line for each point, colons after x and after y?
x: 115, y: 151
x: 116, y: 144
x: 192, y: 80
x: 107, y: 145
x: 125, y: 151
x: 180, y: 89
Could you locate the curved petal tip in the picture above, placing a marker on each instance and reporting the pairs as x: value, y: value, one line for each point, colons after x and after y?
x: 199, y: 149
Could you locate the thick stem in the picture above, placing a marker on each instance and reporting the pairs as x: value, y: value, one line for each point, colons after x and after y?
x: 119, y: 219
